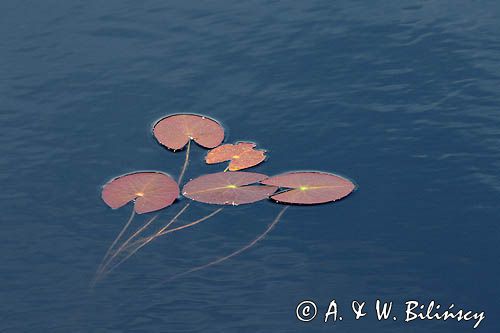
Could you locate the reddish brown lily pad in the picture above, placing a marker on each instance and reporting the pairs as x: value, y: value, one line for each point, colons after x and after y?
x: 310, y: 188
x: 175, y: 131
x: 150, y: 190
x: 228, y: 188
x: 242, y: 155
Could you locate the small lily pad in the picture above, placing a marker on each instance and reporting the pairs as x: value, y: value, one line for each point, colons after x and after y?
x: 241, y: 155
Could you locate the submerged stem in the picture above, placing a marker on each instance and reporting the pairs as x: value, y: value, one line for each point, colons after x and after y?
x: 186, y: 162
x: 145, y: 242
x: 189, y: 224
x: 120, y: 234
x: 173, y: 219
x: 124, y: 244
x: 244, y: 248
x: 162, y: 232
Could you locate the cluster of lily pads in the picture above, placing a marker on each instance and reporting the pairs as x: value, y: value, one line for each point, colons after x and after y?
x: 152, y: 191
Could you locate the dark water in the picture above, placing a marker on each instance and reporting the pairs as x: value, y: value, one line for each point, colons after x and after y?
x: 403, y: 98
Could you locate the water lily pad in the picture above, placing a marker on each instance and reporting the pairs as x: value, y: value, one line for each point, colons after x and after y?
x: 241, y: 155
x: 310, y: 188
x: 228, y: 188
x: 150, y: 191
x: 175, y: 131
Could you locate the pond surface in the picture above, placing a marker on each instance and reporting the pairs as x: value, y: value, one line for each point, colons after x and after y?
x: 402, y: 98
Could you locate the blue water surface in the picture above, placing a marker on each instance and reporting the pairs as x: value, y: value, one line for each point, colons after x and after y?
x: 403, y: 97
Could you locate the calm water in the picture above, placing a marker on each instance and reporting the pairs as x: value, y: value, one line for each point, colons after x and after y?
x: 402, y: 98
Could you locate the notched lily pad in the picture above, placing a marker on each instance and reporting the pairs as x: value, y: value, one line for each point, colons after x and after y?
x: 175, y: 131
x: 241, y: 155
x: 150, y: 191
x: 228, y: 188
x: 309, y: 188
